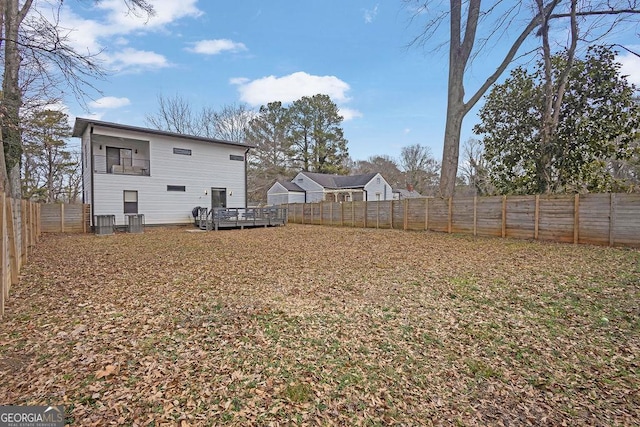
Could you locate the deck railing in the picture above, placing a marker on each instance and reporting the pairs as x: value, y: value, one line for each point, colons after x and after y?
x: 212, y: 219
x: 137, y: 167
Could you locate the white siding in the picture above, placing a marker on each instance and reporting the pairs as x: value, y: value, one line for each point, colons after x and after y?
x: 278, y: 195
x: 208, y: 166
x: 378, y: 185
x: 86, y: 167
x: 315, y: 192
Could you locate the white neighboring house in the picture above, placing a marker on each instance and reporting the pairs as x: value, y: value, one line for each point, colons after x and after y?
x: 309, y: 187
x: 162, y: 175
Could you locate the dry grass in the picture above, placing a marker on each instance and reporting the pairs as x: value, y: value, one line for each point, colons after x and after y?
x: 317, y: 325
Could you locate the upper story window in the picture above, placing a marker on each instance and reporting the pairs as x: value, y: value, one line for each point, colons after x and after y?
x: 378, y: 180
x: 183, y: 151
x: 236, y: 157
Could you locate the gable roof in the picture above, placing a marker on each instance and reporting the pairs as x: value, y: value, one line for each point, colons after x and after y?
x: 406, y: 194
x: 291, y: 186
x: 340, y: 181
x: 81, y: 125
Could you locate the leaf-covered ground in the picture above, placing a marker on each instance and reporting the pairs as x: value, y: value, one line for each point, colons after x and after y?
x: 316, y: 325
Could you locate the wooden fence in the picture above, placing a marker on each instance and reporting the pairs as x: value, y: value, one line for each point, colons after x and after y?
x: 16, y: 243
x: 66, y: 218
x: 602, y: 219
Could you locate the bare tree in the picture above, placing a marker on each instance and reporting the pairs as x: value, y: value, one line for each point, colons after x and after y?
x: 176, y: 114
x: 231, y: 122
x: 465, y: 42
x: 473, y: 169
x: 420, y: 168
x: 387, y: 166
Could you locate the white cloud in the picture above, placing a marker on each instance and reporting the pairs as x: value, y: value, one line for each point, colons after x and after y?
x: 238, y: 80
x: 214, y: 47
x: 293, y: 87
x: 109, y: 102
x: 290, y: 88
x: 370, y: 14
x: 407, y: 131
x: 630, y: 67
x: 133, y: 60
x: 122, y: 20
x: 106, y: 34
x: 349, y: 113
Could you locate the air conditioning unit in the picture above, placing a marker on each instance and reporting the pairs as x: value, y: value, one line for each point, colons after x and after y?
x: 104, y: 224
x: 135, y: 223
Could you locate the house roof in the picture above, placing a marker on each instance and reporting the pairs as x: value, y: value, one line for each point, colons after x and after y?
x: 406, y: 194
x: 82, y: 123
x: 340, y: 181
x: 291, y: 186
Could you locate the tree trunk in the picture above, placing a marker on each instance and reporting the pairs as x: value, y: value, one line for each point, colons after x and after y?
x: 451, y: 148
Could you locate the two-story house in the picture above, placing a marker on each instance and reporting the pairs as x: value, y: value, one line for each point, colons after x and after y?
x: 163, y: 175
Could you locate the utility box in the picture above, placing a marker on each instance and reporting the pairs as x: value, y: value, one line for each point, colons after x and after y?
x: 104, y: 224
x: 135, y: 223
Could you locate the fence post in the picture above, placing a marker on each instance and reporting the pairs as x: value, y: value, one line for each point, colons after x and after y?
x: 536, y: 218
x: 504, y: 216
x: 331, y: 213
x: 391, y: 214
x: 62, y: 217
x: 426, y: 214
x: 612, y: 218
x: 365, y: 214
x: 321, y: 213
x: 23, y: 234
x: 450, y: 217
x: 13, y: 248
x: 378, y: 214
x: 475, y: 215
x: 576, y: 218
x: 406, y: 214
x: 353, y: 213
x: 4, y: 287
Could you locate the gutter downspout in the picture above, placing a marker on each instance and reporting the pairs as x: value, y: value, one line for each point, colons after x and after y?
x: 246, y: 184
x: 91, y: 174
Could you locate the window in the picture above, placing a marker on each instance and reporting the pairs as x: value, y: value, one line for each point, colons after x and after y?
x: 378, y: 180
x: 234, y: 157
x: 130, y: 202
x: 176, y: 188
x: 300, y: 179
x: 183, y: 151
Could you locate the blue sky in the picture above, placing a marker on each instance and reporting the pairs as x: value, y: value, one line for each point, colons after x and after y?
x: 254, y: 52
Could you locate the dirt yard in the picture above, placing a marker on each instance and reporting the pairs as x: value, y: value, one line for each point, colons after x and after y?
x: 315, y: 325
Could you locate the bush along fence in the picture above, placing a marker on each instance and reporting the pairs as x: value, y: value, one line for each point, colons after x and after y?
x: 16, y: 240
x: 602, y: 219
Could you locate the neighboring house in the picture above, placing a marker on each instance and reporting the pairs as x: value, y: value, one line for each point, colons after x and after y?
x: 163, y: 175
x: 405, y: 193
x: 309, y: 187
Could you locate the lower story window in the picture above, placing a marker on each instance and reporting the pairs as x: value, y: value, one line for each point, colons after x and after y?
x: 130, y: 202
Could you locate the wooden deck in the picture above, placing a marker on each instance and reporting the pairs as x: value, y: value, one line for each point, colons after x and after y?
x: 226, y: 218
